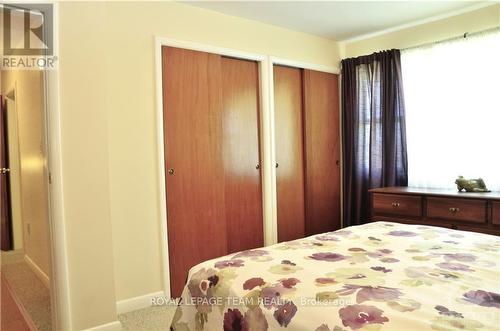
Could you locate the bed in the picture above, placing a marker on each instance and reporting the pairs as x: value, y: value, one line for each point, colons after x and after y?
x: 377, y: 276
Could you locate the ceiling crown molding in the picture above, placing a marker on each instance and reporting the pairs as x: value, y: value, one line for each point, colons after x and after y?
x: 420, y: 22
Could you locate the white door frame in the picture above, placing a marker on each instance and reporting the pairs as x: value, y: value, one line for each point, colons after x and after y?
x: 267, y: 135
x: 265, y: 138
x: 304, y: 65
x: 59, y: 280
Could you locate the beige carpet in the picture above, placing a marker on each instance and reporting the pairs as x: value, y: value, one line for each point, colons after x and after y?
x: 10, y: 257
x: 31, y: 292
x: 35, y: 298
x: 149, y: 319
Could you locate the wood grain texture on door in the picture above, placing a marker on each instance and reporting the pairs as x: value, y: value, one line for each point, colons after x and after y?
x: 289, y: 152
x: 193, y: 160
x: 322, y: 152
x: 240, y: 122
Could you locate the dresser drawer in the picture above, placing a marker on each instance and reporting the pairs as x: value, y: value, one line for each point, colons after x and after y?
x: 398, y: 205
x: 457, y: 209
x: 496, y: 213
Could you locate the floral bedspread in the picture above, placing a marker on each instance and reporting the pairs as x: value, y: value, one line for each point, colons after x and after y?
x: 377, y: 276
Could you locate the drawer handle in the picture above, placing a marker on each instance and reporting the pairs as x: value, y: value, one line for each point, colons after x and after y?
x: 395, y: 205
x: 454, y: 210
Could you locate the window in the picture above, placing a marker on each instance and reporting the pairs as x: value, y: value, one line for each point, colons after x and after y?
x: 367, y: 80
x: 452, y: 98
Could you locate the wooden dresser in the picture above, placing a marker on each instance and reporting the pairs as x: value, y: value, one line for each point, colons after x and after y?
x: 478, y: 212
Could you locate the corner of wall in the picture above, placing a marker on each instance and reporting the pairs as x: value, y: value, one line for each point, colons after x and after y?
x: 85, y: 164
x: 37, y: 270
x: 342, y: 51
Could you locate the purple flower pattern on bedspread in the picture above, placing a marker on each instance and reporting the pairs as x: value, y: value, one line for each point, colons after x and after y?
x: 483, y: 298
x: 377, y: 276
x: 358, y: 316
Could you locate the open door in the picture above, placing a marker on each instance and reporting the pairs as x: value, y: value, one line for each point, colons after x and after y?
x: 5, y: 212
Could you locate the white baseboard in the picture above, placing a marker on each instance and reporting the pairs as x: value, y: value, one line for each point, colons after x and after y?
x: 39, y: 272
x: 112, y: 326
x: 136, y: 303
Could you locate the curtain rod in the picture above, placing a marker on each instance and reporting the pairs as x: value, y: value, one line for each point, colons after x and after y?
x: 463, y: 36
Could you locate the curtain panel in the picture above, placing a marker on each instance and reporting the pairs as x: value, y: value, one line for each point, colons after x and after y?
x: 374, y: 130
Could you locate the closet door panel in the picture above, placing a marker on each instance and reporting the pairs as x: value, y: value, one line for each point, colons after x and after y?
x: 240, y: 121
x: 193, y: 134
x: 322, y: 151
x: 289, y: 152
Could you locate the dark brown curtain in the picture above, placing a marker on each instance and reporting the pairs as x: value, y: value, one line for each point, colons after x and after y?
x: 374, y: 130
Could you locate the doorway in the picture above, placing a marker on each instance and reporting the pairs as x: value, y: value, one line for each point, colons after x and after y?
x: 26, y: 264
x: 25, y: 255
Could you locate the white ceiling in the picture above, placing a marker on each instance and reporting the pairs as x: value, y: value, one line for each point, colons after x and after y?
x: 337, y: 20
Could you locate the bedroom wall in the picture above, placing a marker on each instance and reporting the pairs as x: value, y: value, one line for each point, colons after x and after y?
x: 132, y: 138
x: 109, y: 151
x: 473, y: 21
x: 85, y: 163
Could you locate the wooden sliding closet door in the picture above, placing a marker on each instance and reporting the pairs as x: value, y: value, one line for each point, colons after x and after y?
x: 193, y: 160
x: 322, y: 151
x: 212, y: 159
x: 289, y: 152
x: 243, y: 192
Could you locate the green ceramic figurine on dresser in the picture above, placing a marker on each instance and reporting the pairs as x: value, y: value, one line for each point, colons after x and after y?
x: 471, y: 185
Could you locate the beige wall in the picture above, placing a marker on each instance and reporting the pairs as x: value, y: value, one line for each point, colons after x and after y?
x: 132, y: 121
x: 478, y: 20
x: 33, y: 187
x: 110, y: 163
x: 132, y: 117
x: 108, y: 120
x: 85, y: 166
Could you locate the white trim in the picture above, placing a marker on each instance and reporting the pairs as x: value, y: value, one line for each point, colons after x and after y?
x: 268, y: 212
x: 38, y: 271
x: 140, y: 302
x: 420, y: 22
x: 267, y: 150
x: 194, y: 46
x: 304, y: 65
x: 159, y: 42
x: 60, y: 294
x: 112, y: 326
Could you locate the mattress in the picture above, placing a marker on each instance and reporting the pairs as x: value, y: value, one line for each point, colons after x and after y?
x: 377, y: 276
